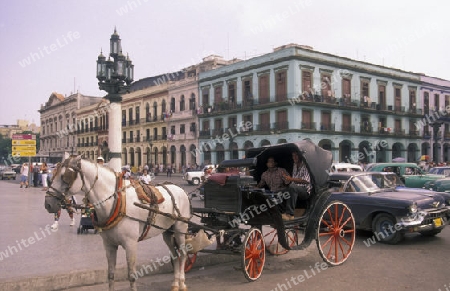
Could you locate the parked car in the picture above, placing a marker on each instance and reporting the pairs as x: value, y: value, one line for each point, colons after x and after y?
x: 379, y: 207
x: 410, y: 174
x: 345, y: 167
x: 195, y: 177
x: 440, y: 171
x: 7, y: 173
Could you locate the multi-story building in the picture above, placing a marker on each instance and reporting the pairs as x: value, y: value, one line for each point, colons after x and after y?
x: 183, y: 121
x: 59, y: 124
x: 435, y: 124
x: 92, y: 130
x: 357, y: 110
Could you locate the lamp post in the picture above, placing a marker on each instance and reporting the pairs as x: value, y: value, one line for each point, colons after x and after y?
x: 115, y: 77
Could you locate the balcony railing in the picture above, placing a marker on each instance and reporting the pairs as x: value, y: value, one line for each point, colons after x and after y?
x: 281, y: 125
x: 327, y: 127
x: 308, y: 125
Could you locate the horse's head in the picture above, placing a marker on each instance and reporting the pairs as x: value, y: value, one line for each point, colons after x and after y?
x: 67, y: 180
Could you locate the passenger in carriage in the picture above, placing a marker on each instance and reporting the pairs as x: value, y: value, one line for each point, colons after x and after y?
x: 299, y: 185
x: 273, y: 177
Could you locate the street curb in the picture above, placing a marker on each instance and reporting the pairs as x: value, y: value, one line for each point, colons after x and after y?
x: 95, y: 277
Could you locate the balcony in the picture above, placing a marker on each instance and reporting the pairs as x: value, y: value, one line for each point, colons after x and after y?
x: 399, y: 131
x: 447, y: 135
x: 414, y: 133
x: 205, y: 133
x: 263, y: 127
x: 217, y: 132
x: 308, y: 126
x: 348, y: 128
x: 366, y: 128
x: 281, y: 125
x: 426, y: 134
x: 327, y: 127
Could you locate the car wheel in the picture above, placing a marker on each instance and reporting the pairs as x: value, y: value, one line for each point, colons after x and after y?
x: 430, y: 232
x: 383, y: 228
x: 196, y: 181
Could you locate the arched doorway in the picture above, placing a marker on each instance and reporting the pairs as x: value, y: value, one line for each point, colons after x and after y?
x: 234, y: 152
x: 397, y: 149
x: 132, y: 160
x: 220, y: 153
x: 345, y: 151
x: 364, y: 152
x: 265, y: 142
x: 182, y: 155
x: 173, y: 155
x: 412, y: 149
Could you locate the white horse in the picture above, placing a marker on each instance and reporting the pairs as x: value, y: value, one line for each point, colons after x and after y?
x: 126, y: 225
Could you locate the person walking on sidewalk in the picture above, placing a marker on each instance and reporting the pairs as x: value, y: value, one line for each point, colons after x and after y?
x: 69, y: 210
x: 36, y: 170
x: 44, y: 169
x: 24, y: 175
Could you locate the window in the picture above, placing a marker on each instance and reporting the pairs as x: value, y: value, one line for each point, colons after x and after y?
x: 306, y: 84
x: 192, y: 127
x: 325, y: 86
x: 282, y: 123
x: 131, y: 136
x: 232, y: 122
x: 172, y: 129
x: 346, y: 88
x: 217, y: 95
x: 281, y: 86
x: 172, y: 104
x: 232, y: 94
x: 307, y: 119
x: 163, y: 106
x: 137, y: 114
x: 192, y: 102
x: 326, y: 121
x: 130, y: 115
x: 247, y: 95
x: 182, y: 104
x: 263, y: 89
x: 412, y: 100
x: 264, y: 121
x: 346, y: 122
x: 182, y: 129
x: 205, y: 97
x: 426, y: 102
x: 436, y: 102
x: 365, y: 97
x: 397, y: 98
x: 382, y: 96
x: 248, y: 120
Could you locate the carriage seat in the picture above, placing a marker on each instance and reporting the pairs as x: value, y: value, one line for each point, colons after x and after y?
x: 147, y: 193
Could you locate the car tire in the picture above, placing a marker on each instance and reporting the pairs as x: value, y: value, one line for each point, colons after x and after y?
x: 195, y: 181
x: 382, y: 225
x: 430, y: 232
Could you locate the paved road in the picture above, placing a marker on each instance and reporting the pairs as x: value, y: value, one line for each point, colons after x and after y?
x: 418, y: 263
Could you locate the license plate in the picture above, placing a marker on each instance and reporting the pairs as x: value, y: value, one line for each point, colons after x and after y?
x: 438, y: 222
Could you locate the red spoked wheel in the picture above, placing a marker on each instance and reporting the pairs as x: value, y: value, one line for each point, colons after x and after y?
x: 253, y: 254
x: 336, y: 233
x: 272, y: 244
x: 190, y: 260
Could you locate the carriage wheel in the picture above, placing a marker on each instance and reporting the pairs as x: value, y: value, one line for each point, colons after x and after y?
x: 274, y: 247
x: 253, y: 254
x: 190, y: 260
x: 336, y: 233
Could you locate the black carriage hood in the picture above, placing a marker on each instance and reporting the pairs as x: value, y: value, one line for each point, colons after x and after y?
x: 317, y: 159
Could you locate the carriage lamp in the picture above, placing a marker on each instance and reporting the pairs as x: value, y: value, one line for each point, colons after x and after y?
x: 115, y: 75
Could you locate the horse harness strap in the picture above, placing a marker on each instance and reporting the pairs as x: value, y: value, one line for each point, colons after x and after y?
x: 119, y: 210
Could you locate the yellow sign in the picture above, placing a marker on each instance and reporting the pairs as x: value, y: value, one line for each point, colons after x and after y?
x: 24, y: 142
x: 24, y: 153
x: 23, y: 148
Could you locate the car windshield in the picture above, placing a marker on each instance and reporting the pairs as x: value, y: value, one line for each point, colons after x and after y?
x: 372, y: 182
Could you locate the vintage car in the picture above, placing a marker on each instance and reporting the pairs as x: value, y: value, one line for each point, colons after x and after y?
x: 7, y: 173
x: 345, y: 167
x: 410, y: 173
x: 388, y: 212
x: 444, y: 170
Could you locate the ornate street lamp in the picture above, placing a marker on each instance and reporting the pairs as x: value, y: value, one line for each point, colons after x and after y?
x: 115, y: 77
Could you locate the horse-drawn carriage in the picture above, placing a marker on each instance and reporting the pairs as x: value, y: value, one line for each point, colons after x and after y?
x: 246, y: 220
x: 235, y: 212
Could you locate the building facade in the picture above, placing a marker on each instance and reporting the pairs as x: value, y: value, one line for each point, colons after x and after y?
x: 59, y: 125
x: 359, y: 111
x: 435, y: 124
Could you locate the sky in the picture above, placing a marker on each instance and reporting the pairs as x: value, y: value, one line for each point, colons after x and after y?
x: 52, y: 46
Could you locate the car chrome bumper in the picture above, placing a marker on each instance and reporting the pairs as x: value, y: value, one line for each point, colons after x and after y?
x: 425, y: 220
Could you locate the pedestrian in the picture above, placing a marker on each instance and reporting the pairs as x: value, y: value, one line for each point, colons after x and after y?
x: 145, y: 178
x: 169, y: 171
x: 24, y: 170
x: 70, y: 211
x: 36, y: 170
x: 44, y: 174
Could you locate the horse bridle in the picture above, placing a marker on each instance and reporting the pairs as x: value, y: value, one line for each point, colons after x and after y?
x: 68, y: 178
